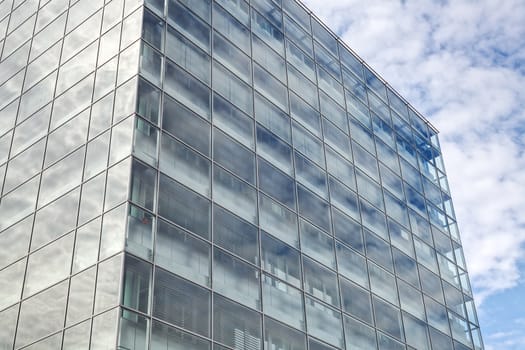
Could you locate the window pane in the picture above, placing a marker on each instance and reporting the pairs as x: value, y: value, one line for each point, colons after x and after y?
x: 233, y: 121
x: 278, y: 336
x: 278, y: 220
x: 137, y: 281
x: 281, y: 260
x: 283, y: 302
x: 233, y: 156
x: 196, y: 132
x: 164, y: 337
x: 184, y: 207
x: 320, y: 282
x: 189, y: 90
x: 228, y: 272
x: 185, y: 165
x: 185, y: 21
x: 182, y: 253
x: 277, y: 184
x: 356, y: 301
x: 324, y: 322
x: 234, y: 194
x: 235, y: 235
x: 181, y: 303
x: 235, y: 325
x: 187, y: 55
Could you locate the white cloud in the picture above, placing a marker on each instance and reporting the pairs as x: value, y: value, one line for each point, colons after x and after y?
x: 462, y: 64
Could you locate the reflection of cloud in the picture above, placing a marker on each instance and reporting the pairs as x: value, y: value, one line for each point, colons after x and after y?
x: 469, y: 82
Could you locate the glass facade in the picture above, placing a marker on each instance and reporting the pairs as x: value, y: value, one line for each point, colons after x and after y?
x: 215, y: 174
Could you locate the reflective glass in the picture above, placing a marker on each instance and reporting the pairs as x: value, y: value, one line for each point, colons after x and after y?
x: 236, y: 325
x: 320, y: 282
x: 81, y: 294
x: 283, y: 302
x: 233, y: 156
x: 280, y: 260
x: 180, y: 252
x: 164, y: 337
x: 356, y: 301
x: 324, y: 322
x: 235, y: 235
x: 181, y: 303
x: 184, y: 207
x: 229, y: 271
x: 185, y: 165
x: 196, y: 132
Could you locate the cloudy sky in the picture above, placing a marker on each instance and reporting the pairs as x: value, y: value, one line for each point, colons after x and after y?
x: 462, y: 64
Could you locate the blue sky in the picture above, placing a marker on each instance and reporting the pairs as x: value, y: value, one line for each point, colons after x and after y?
x: 462, y: 64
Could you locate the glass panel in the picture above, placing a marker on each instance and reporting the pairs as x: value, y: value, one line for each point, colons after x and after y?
x: 307, y: 144
x: 275, y: 183
x: 187, y: 89
x: 378, y: 250
x: 274, y: 150
x: 278, y: 336
x: 231, y: 57
x: 232, y: 88
x: 317, y: 244
x: 77, y: 337
x: 270, y: 87
x: 234, y: 194
x: 86, y: 245
x: 134, y: 331
x: 196, y: 132
x: 181, y: 303
x: 416, y: 332
x: 136, y: 287
x: 305, y: 114
x: 233, y: 156
x: 268, y: 59
x: 382, y: 283
x: 145, y: 141
x: 311, y: 175
x: 267, y: 32
x: 232, y: 29
x: 184, y: 207
x: 185, y: 165
x: 324, y: 322
x: 352, y: 265
x: 281, y: 260
x: 47, y: 309
x: 235, y: 325
x: 283, y: 302
x: 105, y: 327
x: 11, y: 281
x: 180, y: 252
x: 164, y: 337
x: 143, y: 182
x: 185, y: 21
x: 229, y: 271
x: 187, y: 55
x: 81, y: 295
x: 49, y: 265
x: 320, y: 282
x: 272, y: 118
x: 348, y: 230
x: 356, y: 301
x: 235, y: 235
x: 388, y: 318
x: 233, y: 121
x: 313, y: 208
x: 358, y: 335
x: 108, y: 282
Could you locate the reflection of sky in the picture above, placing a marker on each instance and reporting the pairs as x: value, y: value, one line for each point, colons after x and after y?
x: 462, y: 64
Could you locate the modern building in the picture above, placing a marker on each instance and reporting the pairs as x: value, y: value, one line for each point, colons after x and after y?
x: 215, y: 174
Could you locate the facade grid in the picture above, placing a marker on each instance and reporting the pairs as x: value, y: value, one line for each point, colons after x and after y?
x: 215, y: 174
